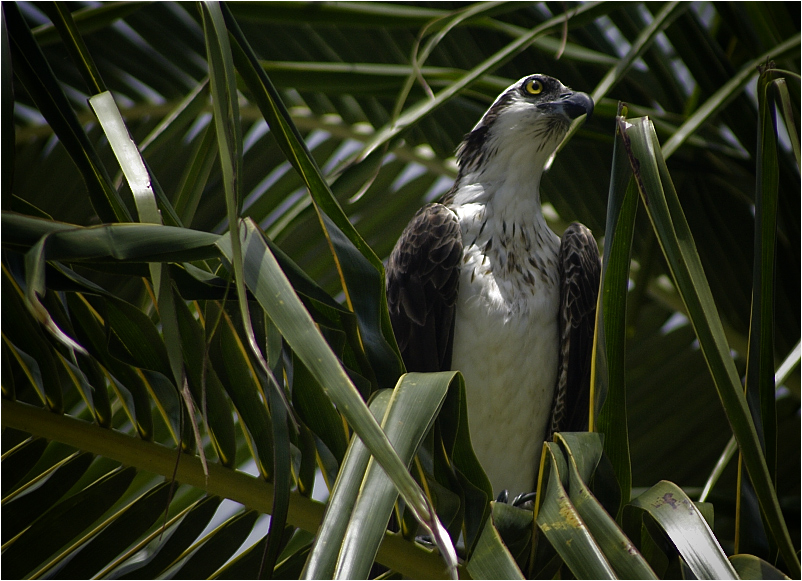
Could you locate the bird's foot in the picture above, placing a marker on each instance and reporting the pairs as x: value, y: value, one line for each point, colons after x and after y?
x: 425, y: 540
x: 525, y: 500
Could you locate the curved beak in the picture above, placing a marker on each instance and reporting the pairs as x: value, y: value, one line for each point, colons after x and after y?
x: 571, y: 104
x: 577, y: 104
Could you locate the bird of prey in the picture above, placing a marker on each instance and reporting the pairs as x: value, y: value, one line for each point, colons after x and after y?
x: 479, y: 283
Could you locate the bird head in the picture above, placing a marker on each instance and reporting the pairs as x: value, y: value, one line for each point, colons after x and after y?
x: 524, y: 125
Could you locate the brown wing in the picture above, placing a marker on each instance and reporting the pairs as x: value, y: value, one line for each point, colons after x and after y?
x: 422, y: 285
x: 580, y: 269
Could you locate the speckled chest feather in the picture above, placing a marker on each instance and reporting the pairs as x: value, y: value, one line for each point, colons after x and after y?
x: 506, y: 337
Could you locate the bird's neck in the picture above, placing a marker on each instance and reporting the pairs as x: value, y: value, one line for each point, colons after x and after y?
x: 503, y: 193
x: 506, y: 239
x: 505, y: 234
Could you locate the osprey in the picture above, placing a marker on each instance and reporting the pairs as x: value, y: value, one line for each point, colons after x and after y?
x: 479, y: 283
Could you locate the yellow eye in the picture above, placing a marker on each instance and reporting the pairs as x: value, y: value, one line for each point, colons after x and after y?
x: 533, y: 87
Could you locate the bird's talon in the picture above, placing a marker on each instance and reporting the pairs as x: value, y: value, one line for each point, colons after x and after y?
x: 524, y: 499
x: 425, y: 540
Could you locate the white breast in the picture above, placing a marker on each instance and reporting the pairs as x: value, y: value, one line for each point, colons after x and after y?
x: 506, y: 342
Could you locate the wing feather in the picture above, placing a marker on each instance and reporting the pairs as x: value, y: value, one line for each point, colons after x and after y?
x: 422, y: 286
x: 580, y: 269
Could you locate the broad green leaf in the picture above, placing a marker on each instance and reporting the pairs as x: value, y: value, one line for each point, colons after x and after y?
x: 133, y: 338
x: 271, y: 288
x: 515, y: 527
x: 127, y: 156
x: 135, y: 242
x: 608, y: 380
x: 21, y: 232
x: 583, y: 452
x: 660, y: 200
x: 687, y: 529
x: 455, y: 457
x: 491, y: 559
x: 760, y: 358
x: 322, y: 560
x: 193, y: 181
x: 412, y: 408
x: 751, y: 567
x: 128, y: 385
x: 562, y: 525
x: 307, y: 470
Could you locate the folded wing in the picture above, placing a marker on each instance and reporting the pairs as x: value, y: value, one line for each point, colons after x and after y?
x: 422, y: 286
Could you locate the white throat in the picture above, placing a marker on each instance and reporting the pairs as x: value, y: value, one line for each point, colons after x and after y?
x: 502, y: 221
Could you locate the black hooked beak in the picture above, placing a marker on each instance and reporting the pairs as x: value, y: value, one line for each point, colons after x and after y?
x: 572, y: 105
